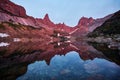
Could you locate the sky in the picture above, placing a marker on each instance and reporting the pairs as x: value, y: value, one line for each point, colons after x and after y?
x: 69, y: 11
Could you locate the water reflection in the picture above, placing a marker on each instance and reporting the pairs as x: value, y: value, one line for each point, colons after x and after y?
x: 72, y: 67
x: 58, y: 61
x: 3, y: 44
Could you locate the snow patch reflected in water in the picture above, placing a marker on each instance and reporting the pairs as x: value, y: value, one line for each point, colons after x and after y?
x: 4, y: 35
x: 2, y: 44
x: 16, y: 40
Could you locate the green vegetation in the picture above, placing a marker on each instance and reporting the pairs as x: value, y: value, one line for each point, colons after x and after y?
x: 2, y: 27
x: 2, y: 52
x: 54, y: 34
x: 20, y: 31
x: 17, y: 26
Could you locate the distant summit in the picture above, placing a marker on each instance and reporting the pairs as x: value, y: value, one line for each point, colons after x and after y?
x: 87, y: 25
x: 84, y: 21
x: 109, y: 27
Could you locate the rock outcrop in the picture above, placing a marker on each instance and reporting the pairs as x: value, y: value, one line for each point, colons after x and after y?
x: 47, y: 21
x: 84, y: 21
x: 11, y: 8
x: 82, y: 27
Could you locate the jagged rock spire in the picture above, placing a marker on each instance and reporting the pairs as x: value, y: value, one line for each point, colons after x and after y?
x: 46, y: 18
x: 47, y: 21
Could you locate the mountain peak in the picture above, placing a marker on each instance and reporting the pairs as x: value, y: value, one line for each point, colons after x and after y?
x: 84, y: 21
x: 47, y: 17
x: 47, y: 20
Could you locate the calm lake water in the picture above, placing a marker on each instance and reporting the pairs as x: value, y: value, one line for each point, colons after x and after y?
x: 58, y: 61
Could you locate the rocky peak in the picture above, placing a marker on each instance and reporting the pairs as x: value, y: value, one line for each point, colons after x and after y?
x: 47, y: 21
x: 84, y: 21
x: 47, y: 17
x: 61, y: 24
x: 6, y: 6
x: 82, y: 27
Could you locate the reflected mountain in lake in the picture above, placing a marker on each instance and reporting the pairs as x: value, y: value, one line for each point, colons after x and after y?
x: 58, y: 61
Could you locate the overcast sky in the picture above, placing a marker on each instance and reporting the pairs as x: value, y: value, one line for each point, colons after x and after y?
x: 69, y: 11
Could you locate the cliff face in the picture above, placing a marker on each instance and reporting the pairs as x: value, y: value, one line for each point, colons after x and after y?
x: 13, y: 13
x: 10, y: 12
x: 91, y: 23
x: 84, y: 21
x: 25, y: 33
x: 87, y: 25
x: 47, y: 21
x: 98, y: 22
x: 11, y: 8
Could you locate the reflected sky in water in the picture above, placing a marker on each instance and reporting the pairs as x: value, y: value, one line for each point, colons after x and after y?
x: 58, y: 61
x: 72, y: 67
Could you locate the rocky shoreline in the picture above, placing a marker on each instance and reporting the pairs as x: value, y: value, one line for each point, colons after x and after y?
x: 112, y: 42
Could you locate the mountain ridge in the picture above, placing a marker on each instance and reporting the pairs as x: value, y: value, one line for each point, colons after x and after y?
x: 109, y: 27
x: 17, y: 15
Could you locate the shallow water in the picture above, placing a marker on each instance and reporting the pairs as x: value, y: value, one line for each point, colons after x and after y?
x: 66, y: 61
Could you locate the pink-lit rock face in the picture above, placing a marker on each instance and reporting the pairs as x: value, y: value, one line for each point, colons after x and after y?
x: 84, y: 21
x: 10, y: 12
x: 11, y: 8
x: 87, y: 25
x: 82, y: 27
x: 47, y: 20
x: 98, y: 22
x: 90, y: 23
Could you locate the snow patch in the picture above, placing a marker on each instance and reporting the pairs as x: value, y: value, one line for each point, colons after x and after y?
x: 16, y: 40
x: 2, y: 44
x: 3, y: 35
